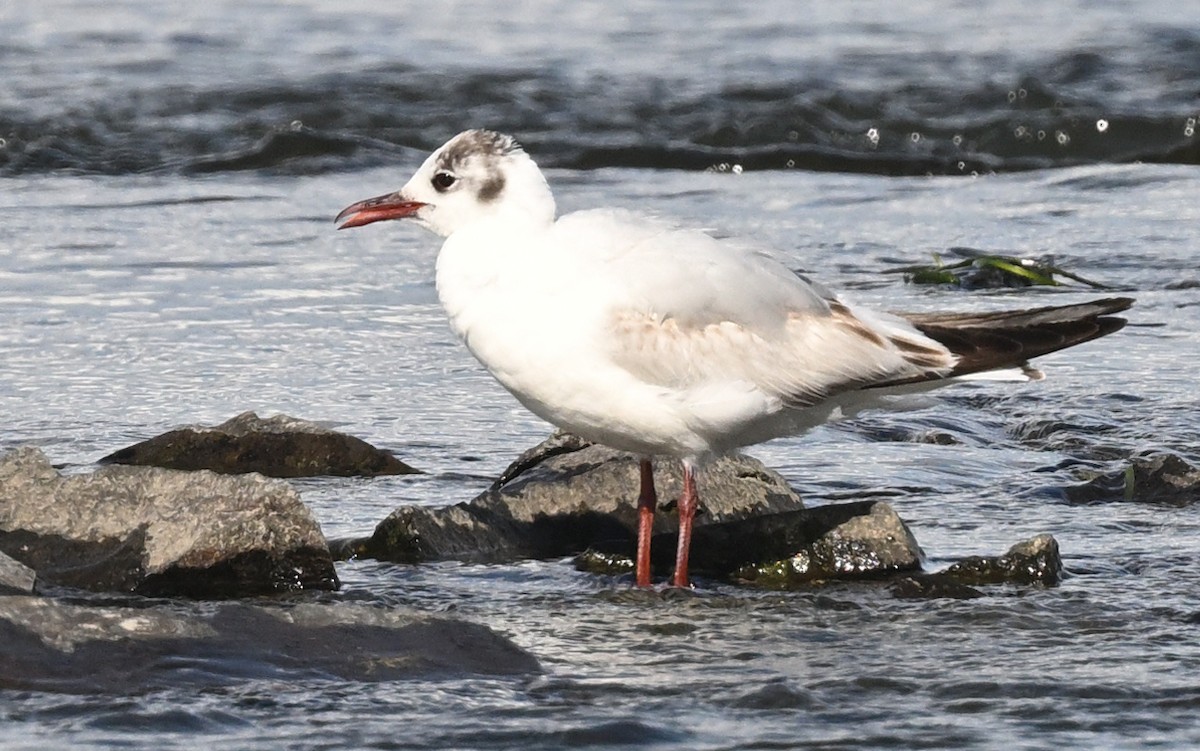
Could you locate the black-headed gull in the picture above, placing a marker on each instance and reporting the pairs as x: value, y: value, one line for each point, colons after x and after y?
x: 663, y: 341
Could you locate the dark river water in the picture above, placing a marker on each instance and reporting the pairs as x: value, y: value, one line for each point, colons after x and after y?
x: 168, y: 177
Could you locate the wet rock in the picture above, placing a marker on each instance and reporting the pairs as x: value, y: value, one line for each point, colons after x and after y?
x: 159, y: 532
x: 1166, y: 479
x: 15, y: 577
x: 1082, y: 440
x: 1035, y: 561
x: 279, y: 446
x: 51, y: 645
x: 932, y: 587
x: 901, y: 433
x: 786, y: 550
x: 605, y: 562
x: 567, y: 495
x: 861, y: 540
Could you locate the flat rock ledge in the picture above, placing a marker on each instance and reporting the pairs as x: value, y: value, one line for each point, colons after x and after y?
x: 279, y: 446
x: 159, y: 532
x: 83, y: 647
x: 565, y: 496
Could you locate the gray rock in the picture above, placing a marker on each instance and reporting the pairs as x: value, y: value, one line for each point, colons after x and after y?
x: 49, y: 645
x: 1034, y: 561
x: 1166, y: 479
x: 565, y: 496
x: 159, y: 532
x: 279, y: 446
x: 15, y: 577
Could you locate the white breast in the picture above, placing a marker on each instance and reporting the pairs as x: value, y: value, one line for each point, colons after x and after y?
x: 528, y: 315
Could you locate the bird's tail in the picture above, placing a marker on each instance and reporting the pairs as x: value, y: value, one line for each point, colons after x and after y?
x: 1007, y: 340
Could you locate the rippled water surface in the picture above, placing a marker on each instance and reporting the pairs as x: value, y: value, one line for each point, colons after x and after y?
x: 168, y: 257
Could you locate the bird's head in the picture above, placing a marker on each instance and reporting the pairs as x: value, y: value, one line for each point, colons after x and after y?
x: 476, y: 175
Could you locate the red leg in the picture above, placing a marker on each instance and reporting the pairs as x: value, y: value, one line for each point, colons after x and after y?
x: 688, y: 502
x: 647, y: 501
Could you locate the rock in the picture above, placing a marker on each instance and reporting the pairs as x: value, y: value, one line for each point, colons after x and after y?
x: 1166, y: 479
x: 279, y: 446
x: 564, y: 496
x: 605, y: 563
x: 860, y: 540
x: 1035, y: 561
x: 158, y: 531
x: 15, y: 577
x: 932, y: 587
x: 1082, y: 439
x: 560, y: 442
x: 49, y: 645
x: 786, y: 550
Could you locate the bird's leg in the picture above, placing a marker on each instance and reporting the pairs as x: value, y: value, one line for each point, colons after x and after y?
x: 647, y: 501
x: 688, y: 502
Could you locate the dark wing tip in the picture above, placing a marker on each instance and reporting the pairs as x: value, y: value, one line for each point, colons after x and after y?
x: 1005, y: 339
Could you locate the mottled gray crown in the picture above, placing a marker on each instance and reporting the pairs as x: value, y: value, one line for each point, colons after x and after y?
x: 477, y: 143
x: 487, y: 146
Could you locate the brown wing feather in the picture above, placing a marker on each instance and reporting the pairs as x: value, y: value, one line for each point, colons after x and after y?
x: 1010, y: 338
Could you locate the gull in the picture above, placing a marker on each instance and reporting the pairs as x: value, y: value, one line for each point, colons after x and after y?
x: 667, y: 342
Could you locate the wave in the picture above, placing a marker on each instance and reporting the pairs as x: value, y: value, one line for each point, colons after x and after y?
x: 1063, y: 113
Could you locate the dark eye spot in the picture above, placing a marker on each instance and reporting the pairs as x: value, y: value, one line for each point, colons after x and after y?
x: 443, y: 181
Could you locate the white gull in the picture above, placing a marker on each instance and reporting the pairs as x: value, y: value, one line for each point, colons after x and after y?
x: 662, y: 341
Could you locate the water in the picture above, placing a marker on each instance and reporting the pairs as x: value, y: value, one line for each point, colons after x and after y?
x: 169, y: 177
x: 301, y: 87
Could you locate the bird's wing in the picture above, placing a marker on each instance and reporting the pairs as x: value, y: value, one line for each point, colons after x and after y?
x: 811, y: 357
x: 694, y: 313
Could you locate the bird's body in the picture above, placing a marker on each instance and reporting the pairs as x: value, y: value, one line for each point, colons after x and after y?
x: 664, y: 341
x: 595, y: 326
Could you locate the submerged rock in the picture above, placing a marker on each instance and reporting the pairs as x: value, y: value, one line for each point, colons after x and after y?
x: 1035, y: 561
x: 49, y: 645
x: 279, y: 446
x: 159, y: 532
x: 15, y: 577
x: 1166, y: 479
x: 932, y: 587
x: 567, y: 495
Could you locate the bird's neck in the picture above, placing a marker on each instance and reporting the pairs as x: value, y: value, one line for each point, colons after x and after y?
x: 481, y: 265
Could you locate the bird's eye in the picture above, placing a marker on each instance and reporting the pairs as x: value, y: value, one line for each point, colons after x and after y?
x: 442, y: 181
